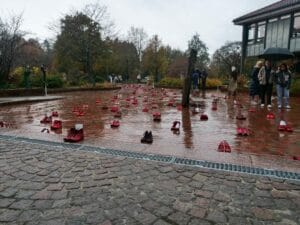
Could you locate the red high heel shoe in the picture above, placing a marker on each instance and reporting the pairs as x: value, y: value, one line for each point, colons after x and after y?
x: 55, y: 114
x: 224, y: 147
x: 114, y: 109
x: 145, y: 109
x: 57, y: 124
x: 115, y: 124
x: 75, y: 134
x: 203, y: 117
x: 270, y: 116
x: 46, y: 119
x: 156, y: 116
x: 241, y: 131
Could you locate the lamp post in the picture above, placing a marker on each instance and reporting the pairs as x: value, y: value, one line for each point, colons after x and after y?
x: 44, y: 70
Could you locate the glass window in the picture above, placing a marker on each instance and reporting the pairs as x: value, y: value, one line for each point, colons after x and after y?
x: 273, y: 20
x: 296, y: 29
x: 251, y: 33
x: 285, y: 17
x: 261, y: 31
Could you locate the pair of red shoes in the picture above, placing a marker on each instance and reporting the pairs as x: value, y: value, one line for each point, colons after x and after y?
x: 74, y: 135
x: 241, y: 131
x: 115, y: 124
x: 224, y: 147
x: 203, y: 117
x: 57, y: 124
x: 157, y: 116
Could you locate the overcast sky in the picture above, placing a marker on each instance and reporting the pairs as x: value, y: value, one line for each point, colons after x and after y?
x: 175, y: 21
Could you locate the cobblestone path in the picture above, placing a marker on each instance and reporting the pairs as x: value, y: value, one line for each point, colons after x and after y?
x: 50, y: 185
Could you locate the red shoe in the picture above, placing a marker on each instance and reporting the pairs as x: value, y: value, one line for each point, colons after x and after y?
x: 179, y: 107
x: 55, y: 114
x: 296, y: 158
x: 203, y: 117
x: 270, y: 116
x: 288, y: 128
x: 214, y: 107
x: 157, y: 116
x: 115, y: 124
x: 46, y: 119
x: 114, y: 109
x: 171, y: 103
x: 252, y: 110
x: 240, y: 117
x: 79, y: 113
x: 224, y: 147
x: 135, y: 102
x: 98, y: 101
x: 74, y: 135
x: 57, y: 124
x: 145, y: 109
x: 118, y: 114
x: 241, y: 131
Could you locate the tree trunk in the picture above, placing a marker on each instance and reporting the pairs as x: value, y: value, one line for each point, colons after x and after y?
x: 187, y: 79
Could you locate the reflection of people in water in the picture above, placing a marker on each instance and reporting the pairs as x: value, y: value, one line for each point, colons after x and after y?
x: 187, y: 128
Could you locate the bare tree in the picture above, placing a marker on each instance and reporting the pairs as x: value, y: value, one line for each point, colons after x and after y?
x: 10, y: 36
x: 99, y: 13
x: 139, y: 37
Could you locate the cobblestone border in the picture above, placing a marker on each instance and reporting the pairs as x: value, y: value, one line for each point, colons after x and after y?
x: 163, y: 158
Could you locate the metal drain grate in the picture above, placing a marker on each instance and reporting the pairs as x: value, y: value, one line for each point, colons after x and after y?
x: 162, y: 158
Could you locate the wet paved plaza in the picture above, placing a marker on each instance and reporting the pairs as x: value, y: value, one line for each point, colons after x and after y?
x: 265, y: 147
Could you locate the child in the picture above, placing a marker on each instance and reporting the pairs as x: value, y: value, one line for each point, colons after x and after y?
x: 283, y: 84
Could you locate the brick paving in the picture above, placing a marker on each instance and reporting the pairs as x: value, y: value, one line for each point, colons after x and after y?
x: 47, y: 185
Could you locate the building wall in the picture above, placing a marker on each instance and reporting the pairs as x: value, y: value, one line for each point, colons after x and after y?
x: 278, y: 34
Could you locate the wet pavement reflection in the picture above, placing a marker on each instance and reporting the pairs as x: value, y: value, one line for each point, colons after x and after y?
x: 265, y: 146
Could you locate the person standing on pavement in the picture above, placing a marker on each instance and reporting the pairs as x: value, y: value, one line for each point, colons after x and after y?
x: 195, y: 79
x: 283, y: 79
x: 265, y: 77
x: 204, y: 75
x: 254, y: 85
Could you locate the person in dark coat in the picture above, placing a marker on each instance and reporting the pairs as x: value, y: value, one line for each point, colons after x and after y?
x: 204, y: 75
x: 254, y: 86
x: 195, y: 79
x: 282, y: 80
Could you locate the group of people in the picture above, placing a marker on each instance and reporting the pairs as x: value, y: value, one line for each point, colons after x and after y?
x: 115, y: 78
x: 199, y: 79
x: 263, y: 76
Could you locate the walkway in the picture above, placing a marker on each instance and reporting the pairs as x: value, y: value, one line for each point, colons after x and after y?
x: 14, y: 100
x: 42, y: 184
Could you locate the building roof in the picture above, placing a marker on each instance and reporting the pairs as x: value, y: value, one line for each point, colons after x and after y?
x: 276, y: 9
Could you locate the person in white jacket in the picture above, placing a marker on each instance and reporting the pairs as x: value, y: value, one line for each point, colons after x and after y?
x: 266, y: 77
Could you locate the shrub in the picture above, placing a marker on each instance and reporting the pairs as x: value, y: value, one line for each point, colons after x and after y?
x: 169, y: 82
x: 213, y: 82
x: 295, y: 88
x: 55, y: 81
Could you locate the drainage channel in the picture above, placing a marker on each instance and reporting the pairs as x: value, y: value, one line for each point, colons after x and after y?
x: 161, y: 158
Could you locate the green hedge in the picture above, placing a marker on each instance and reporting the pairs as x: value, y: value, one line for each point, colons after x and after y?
x: 169, y: 82
x: 295, y: 88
